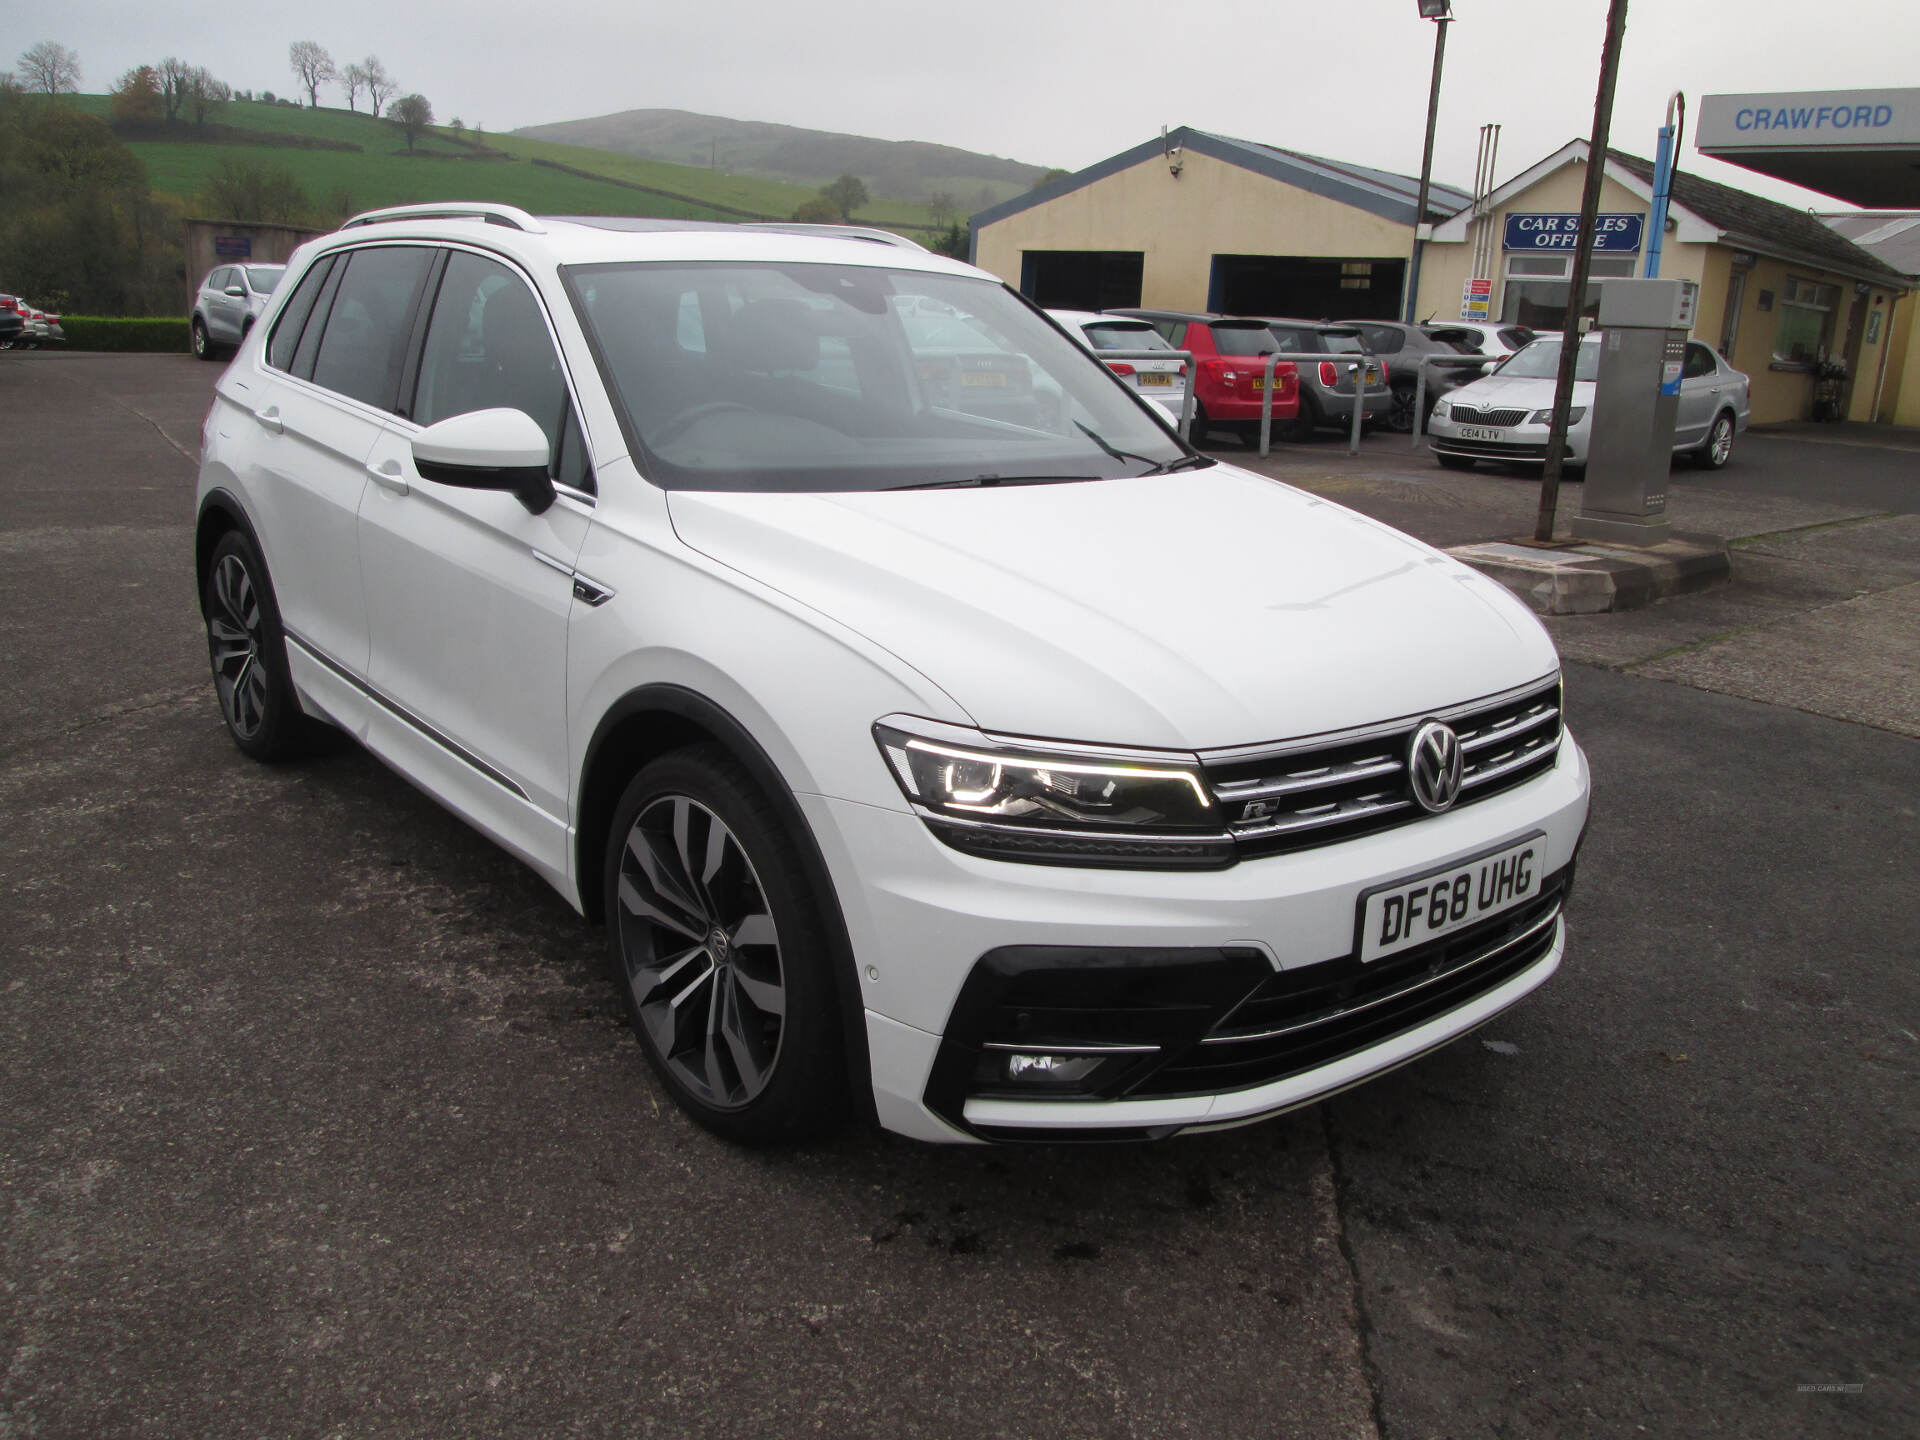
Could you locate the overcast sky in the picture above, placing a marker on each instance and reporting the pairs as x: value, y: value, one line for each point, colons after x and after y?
x: 1058, y: 82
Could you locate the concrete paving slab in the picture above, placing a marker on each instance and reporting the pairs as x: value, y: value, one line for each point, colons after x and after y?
x: 1858, y: 660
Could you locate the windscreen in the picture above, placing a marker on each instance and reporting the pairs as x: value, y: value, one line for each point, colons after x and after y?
x: 804, y: 377
x: 1541, y: 361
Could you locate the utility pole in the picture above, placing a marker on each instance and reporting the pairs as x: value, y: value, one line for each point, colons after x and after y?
x: 1442, y: 17
x: 1582, y: 269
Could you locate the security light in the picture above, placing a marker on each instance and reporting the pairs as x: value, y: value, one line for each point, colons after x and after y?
x: 1436, y: 9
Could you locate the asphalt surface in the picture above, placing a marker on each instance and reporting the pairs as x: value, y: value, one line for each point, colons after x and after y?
x: 319, y: 1120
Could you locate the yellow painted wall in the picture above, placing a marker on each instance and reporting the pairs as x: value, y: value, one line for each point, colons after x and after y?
x: 1213, y: 208
x: 1781, y: 394
x: 1900, y: 399
x: 1444, y: 268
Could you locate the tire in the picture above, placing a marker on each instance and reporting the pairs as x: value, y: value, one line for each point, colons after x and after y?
x: 202, y: 345
x: 1301, y: 428
x: 769, y: 1067
x: 1456, y: 462
x: 247, y: 650
x: 1196, y: 436
x: 1717, y: 448
x: 1399, y: 417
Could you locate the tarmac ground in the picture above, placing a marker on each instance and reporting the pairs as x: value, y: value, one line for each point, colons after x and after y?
x: 319, y: 1119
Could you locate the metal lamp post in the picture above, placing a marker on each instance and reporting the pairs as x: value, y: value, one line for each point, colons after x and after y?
x: 1441, y: 13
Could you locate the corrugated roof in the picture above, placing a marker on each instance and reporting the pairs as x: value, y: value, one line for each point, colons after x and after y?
x: 1744, y: 216
x: 1889, y: 236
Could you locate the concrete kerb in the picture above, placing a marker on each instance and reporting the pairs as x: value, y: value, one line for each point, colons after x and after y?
x: 1589, y: 578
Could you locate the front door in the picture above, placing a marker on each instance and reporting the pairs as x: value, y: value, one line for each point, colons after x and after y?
x: 468, y: 593
x: 1701, y: 385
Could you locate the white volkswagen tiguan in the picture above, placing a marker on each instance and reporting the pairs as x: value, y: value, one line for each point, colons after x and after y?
x: 998, y: 776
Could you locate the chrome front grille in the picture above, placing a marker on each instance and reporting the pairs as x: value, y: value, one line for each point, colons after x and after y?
x: 1333, y: 787
x: 1473, y: 415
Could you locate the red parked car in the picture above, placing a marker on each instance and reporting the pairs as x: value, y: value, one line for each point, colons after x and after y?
x: 1229, y: 370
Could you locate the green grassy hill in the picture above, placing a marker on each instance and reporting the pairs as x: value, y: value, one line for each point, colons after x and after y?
x: 381, y: 172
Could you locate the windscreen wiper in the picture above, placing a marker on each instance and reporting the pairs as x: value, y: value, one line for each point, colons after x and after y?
x: 1164, y: 467
x: 989, y: 480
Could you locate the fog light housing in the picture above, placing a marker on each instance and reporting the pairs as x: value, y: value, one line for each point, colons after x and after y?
x: 1047, y: 1068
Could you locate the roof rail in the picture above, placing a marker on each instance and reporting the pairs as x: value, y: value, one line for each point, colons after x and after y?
x: 510, y: 216
x: 833, y: 232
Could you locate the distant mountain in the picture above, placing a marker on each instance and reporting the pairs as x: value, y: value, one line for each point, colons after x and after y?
x: 906, y: 169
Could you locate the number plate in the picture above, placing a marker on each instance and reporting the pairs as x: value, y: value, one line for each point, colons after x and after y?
x: 1481, y: 432
x: 1419, y: 908
x: 1148, y: 377
x: 989, y: 378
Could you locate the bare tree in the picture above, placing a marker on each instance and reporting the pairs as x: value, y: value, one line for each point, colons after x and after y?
x: 941, y: 207
x: 353, y: 80
x: 176, y: 80
x: 381, y: 86
x: 412, y: 114
x: 205, y: 94
x: 313, y: 65
x: 51, y: 69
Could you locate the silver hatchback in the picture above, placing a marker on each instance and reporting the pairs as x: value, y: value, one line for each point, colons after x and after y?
x: 229, y: 300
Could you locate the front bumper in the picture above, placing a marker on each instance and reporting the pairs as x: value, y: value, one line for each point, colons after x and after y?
x: 1517, y: 445
x: 923, y: 917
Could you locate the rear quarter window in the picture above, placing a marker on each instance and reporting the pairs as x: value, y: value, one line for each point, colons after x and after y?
x: 285, y: 339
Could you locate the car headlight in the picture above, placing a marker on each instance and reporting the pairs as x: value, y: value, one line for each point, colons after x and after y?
x: 1545, y: 417
x: 1441, y: 410
x: 1056, y: 806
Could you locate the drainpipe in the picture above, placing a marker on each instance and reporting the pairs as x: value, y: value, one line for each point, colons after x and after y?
x: 1665, y: 162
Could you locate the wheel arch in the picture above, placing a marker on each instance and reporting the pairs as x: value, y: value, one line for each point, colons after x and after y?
x: 220, y: 512
x: 649, y: 722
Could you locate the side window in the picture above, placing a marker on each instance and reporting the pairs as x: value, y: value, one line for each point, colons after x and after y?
x: 366, y: 334
x: 286, y: 330
x: 488, y: 347
x: 1699, y: 360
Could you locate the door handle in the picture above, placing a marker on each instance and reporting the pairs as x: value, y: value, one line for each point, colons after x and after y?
x: 269, y: 419
x: 387, y: 474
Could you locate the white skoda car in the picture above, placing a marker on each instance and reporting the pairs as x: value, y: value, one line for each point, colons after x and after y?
x: 995, y: 780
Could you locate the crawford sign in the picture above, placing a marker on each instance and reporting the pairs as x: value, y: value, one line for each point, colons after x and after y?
x: 1824, y: 118
x: 1614, y: 233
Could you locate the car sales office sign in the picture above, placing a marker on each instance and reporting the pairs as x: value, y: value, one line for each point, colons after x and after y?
x: 1615, y: 234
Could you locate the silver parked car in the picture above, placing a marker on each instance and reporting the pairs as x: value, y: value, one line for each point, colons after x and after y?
x: 1506, y: 415
x: 230, y: 299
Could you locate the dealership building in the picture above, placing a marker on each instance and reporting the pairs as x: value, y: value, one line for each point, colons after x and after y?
x: 1201, y: 221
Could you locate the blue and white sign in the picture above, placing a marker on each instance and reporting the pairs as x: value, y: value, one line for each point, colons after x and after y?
x: 1820, y: 119
x: 1616, y: 234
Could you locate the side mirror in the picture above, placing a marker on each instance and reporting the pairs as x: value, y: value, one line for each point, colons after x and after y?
x: 488, y: 450
x: 236, y: 292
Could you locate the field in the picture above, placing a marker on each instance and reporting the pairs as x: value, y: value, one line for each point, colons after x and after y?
x: 383, y: 173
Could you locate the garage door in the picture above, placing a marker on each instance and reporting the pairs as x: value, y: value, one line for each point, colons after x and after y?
x: 1082, y: 279
x: 1309, y: 286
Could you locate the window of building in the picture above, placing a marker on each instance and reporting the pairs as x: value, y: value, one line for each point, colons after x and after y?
x: 1804, y: 330
x: 1538, y: 286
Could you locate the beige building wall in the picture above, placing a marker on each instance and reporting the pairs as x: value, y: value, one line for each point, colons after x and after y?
x: 1444, y: 269
x: 1179, y: 224
x: 1778, y: 394
x: 1900, y: 396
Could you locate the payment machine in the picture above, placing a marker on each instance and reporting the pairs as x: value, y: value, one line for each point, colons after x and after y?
x: 1636, y: 400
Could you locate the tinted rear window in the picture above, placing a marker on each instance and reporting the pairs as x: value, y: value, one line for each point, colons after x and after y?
x: 286, y: 330
x: 360, y: 352
x: 1297, y: 338
x: 1244, y: 340
x: 1132, y: 335
x: 1342, y: 342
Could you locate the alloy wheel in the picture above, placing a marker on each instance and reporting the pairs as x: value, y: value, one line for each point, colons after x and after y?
x: 1721, y: 445
x: 701, y: 952
x: 1400, y: 411
x: 233, y: 635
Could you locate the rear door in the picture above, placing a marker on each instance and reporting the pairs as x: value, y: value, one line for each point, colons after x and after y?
x: 331, y: 367
x: 1701, y: 384
x: 468, y: 593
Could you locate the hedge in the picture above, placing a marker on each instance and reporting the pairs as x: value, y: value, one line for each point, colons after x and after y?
x: 100, y: 332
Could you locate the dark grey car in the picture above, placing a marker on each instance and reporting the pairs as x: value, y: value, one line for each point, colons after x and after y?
x: 1406, y: 348
x: 1327, y: 389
